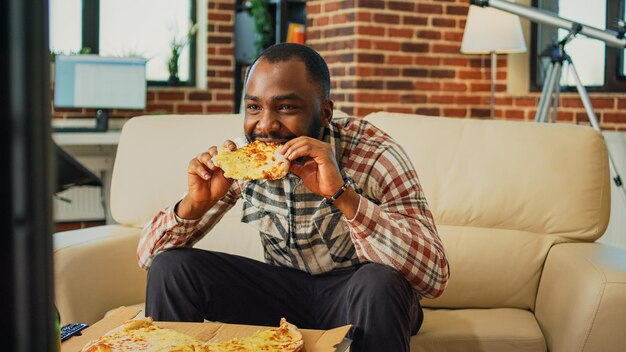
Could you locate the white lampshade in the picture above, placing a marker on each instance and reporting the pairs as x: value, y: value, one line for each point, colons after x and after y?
x: 490, y: 30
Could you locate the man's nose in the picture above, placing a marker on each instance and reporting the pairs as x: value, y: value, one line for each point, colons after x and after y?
x: 268, y: 122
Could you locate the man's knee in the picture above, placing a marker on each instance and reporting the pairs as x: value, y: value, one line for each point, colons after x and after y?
x: 379, y: 282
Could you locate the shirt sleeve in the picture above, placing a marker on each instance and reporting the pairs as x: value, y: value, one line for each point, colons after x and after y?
x: 168, y: 231
x: 398, y: 230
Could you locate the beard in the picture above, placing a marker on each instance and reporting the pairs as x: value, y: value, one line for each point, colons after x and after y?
x: 313, y: 130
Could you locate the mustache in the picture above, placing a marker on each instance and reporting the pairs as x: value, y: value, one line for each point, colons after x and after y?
x: 255, y: 136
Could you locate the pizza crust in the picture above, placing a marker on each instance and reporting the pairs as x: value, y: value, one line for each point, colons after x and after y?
x: 255, y: 161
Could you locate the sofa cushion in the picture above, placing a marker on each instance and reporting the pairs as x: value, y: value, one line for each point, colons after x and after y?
x: 492, y: 268
x: 484, y: 330
x: 540, y: 178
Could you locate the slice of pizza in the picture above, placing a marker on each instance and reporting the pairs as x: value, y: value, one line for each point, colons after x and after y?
x: 255, y: 161
x: 285, y: 338
x: 143, y: 335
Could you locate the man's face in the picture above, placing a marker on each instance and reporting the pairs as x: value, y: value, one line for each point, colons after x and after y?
x: 281, y: 103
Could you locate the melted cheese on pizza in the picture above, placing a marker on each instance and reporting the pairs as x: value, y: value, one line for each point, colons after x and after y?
x: 255, y: 161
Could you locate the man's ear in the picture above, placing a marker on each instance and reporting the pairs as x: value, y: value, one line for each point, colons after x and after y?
x: 327, y: 111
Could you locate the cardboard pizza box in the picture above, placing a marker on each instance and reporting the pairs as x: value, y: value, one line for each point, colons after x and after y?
x: 314, y: 340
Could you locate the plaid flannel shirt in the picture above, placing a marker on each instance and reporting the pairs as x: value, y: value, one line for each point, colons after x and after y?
x: 392, y: 226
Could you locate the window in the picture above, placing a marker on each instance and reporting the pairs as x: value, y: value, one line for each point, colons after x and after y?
x: 599, y: 66
x: 138, y: 28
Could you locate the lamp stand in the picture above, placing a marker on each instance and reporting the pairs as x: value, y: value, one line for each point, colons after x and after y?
x: 492, y: 100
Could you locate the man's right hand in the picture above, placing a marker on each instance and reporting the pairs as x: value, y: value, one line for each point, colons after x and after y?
x: 206, y: 184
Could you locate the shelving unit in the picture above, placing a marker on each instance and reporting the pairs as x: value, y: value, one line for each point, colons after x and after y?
x: 283, y: 12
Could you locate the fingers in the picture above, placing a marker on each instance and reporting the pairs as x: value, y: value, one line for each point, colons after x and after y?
x: 305, y: 147
x: 202, y: 165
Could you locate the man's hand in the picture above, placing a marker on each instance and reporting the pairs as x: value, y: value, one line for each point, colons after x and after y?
x: 206, y: 184
x: 318, y: 170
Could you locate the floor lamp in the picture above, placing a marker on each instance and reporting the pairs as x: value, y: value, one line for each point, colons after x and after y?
x: 491, y: 31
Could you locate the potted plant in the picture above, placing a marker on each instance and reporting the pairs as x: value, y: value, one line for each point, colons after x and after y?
x: 263, y: 23
x: 177, y: 44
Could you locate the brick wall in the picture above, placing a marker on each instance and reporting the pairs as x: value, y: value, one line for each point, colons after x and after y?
x: 404, y: 56
x: 393, y: 55
x: 218, y: 96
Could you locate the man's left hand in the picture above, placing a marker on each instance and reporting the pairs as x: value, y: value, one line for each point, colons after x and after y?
x: 318, y: 170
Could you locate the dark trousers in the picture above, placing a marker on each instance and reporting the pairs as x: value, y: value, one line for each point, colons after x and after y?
x: 192, y: 285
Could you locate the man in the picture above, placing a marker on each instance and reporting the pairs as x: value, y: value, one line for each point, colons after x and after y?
x: 347, y: 234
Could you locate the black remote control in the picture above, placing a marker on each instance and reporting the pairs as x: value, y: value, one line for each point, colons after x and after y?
x: 71, y: 329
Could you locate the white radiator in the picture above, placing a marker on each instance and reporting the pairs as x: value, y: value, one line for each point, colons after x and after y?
x: 81, y: 203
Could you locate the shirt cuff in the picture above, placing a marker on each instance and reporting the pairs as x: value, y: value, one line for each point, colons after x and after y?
x: 364, y: 221
x: 178, y: 220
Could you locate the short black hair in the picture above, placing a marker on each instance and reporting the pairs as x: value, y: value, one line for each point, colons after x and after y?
x: 314, y: 63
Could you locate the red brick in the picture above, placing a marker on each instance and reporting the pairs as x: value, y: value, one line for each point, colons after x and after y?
x: 370, y: 58
x: 415, y: 21
x: 621, y: 103
x: 321, y: 21
x: 603, y: 103
x: 441, y: 74
x: 442, y: 99
x: 514, y: 114
x: 477, y: 112
x: 480, y: 87
x: 219, y: 17
x: 370, y: 30
x: 468, y: 100
x: 363, y: 44
x: 614, y: 117
x: 188, y: 108
x: 443, y: 22
x: 427, y: 85
x: 399, y: 60
x: 364, y: 17
x: 453, y: 36
x: 170, y: 96
x: 449, y: 49
x: 399, y: 85
x: 429, y: 8
x: 376, y: 98
x: 526, y: 102
x: 454, y: 112
x: 219, y: 109
x: 572, y: 102
x: 427, y: 61
x: 386, y: 45
x: 203, y: 96
x: 456, y: 61
x: 372, y: 4
x: 470, y: 75
x: 456, y: 10
x: 413, y: 99
x: 454, y: 87
x: 331, y: 6
x: 414, y: 72
x: 415, y: 47
x: 428, y: 111
x: 386, y: 18
x: 313, y: 8
x: 400, y: 32
x: 504, y: 101
x: 401, y: 5
x: 429, y: 34
x: 399, y: 109
x: 564, y: 116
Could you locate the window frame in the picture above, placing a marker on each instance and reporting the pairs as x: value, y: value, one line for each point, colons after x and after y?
x: 614, y: 80
x: 90, y: 28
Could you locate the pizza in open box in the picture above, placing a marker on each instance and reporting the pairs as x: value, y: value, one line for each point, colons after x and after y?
x: 143, y: 335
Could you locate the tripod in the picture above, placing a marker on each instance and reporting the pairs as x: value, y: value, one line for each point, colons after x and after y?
x: 552, y: 87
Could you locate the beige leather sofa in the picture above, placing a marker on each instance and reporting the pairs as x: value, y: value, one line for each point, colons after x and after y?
x: 518, y: 206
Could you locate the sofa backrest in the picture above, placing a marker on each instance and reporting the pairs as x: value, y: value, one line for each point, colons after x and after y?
x: 502, y: 193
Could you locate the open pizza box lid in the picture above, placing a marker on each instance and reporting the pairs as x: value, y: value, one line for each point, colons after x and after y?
x: 314, y: 340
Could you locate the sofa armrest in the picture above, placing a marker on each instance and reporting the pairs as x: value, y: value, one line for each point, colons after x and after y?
x: 95, y: 270
x: 581, y: 302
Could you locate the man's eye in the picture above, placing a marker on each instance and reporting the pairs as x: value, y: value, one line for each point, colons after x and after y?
x: 287, y: 107
x: 253, y: 107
